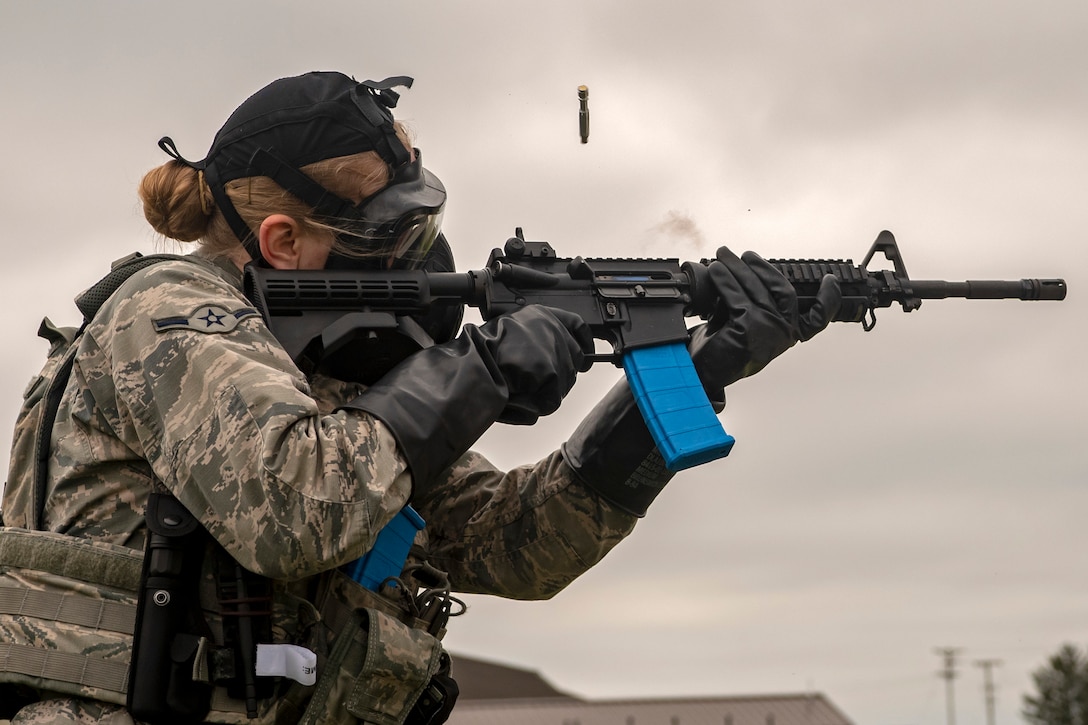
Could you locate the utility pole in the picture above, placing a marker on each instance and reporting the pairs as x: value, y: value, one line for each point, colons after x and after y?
x: 987, y: 674
x: 948, y: 674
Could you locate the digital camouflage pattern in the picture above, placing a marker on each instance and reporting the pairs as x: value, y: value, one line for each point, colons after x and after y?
x: 376, y: 670
x: 177, y: 381
x: 522, y: 534
x: 86, y: 712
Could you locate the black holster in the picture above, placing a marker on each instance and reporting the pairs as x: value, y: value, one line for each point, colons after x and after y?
x: 169, y: 626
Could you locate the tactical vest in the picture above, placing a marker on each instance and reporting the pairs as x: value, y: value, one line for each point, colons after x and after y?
x: 69, y: 606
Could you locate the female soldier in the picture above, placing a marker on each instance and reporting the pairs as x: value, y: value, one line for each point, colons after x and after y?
x: 181, y: 403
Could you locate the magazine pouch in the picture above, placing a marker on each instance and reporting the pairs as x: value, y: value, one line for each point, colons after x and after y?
x: 377, y: 668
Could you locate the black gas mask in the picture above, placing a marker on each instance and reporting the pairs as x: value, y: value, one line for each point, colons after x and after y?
x: 403, y: 220
x: 392, y: 229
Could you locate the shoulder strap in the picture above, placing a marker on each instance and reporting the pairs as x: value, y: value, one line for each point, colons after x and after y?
x: 88, y: 303
x: 45, y: 432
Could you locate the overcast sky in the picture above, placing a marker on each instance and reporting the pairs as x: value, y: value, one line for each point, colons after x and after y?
x: 916, y: 487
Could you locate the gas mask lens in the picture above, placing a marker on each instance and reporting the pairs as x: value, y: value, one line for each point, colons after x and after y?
x: 416, y: 235
x: 401, y: 245
x: 396, y: 227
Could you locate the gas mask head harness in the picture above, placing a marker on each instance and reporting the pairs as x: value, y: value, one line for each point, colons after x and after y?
x: 303, y: 119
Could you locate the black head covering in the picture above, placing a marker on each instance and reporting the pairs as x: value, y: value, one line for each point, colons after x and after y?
x: 297, y: 121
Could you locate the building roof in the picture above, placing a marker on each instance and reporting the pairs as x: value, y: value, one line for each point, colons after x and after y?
x: 482, y: 680
x: 499, y: 694
x: 788, y: 709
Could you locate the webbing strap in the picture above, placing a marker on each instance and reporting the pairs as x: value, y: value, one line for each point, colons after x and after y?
x: 64, y: 667
x: 44, y: 434
x: 112, y: 566
x: 74, y: 609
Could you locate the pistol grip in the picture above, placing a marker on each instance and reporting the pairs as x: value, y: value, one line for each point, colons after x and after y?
x: 674, y: 405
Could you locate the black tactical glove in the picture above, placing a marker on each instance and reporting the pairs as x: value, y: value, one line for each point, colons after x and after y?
x: 613, y: 453
x: 542, y: 351
x: 755, y: 319
x: 514, y: 368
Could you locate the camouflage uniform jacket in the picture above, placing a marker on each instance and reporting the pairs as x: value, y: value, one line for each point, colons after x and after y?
x: 177, y: 379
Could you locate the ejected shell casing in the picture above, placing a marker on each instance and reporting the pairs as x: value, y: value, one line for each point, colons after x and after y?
x: 583, y: 112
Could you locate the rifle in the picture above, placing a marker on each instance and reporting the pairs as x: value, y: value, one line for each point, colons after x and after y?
x: 637, y: 305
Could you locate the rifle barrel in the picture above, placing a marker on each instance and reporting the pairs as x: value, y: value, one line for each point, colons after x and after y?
x: 1024, y: 289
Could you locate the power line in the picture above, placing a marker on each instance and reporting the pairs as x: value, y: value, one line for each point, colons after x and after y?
x: 948, y: 674
x: 987, y: 674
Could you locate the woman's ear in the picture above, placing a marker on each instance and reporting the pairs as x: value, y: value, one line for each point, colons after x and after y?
x: 279, y: 239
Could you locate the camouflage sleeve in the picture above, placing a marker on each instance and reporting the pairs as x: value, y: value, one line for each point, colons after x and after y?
x: 522, y: 534
x: 199, y: 387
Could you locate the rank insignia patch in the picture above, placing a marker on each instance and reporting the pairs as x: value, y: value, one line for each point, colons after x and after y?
x: 209, y: 318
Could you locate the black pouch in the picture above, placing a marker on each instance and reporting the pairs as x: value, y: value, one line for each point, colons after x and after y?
x: 436, y: 703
